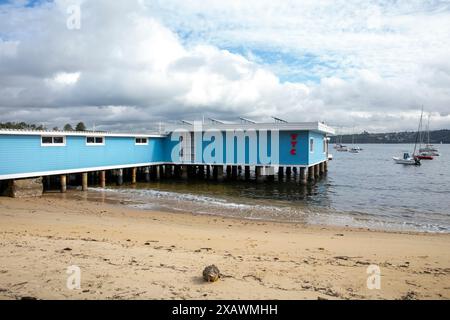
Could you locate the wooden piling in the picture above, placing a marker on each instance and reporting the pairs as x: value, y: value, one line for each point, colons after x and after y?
x: 302, y: 178
x: 119, y: 177
x: 147, y: 174
x: 102, y: 179
x: 311, y: 176
x: 133, y: 175
x: 84, y: 181
x: 63, y: 183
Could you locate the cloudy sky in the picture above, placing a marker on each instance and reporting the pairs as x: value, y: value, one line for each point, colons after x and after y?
x: 133, y: 63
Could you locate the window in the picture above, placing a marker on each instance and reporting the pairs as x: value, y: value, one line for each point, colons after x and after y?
x: 50, y: 141
x: 99, y: 141
x: 311, y: 145
x: 141, y: 141
x: 325, y: 142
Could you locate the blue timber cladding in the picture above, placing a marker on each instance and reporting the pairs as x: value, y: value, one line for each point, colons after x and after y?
x: 24, y: 153
x: 293, y: 149
x: 318, y: 154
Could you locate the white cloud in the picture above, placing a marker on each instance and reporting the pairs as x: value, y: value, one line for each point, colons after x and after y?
x: 138, y: 62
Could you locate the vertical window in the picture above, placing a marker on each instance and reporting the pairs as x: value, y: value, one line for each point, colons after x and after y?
x: 325, y: 142
x: 311, y: 145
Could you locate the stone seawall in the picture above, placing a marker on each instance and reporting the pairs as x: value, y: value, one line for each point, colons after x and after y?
x: 24, y: 188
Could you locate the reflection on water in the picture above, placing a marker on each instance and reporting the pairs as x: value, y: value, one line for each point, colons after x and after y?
x: 363, y: 190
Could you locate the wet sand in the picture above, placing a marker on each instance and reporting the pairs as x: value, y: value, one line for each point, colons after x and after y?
x: 125, y: 253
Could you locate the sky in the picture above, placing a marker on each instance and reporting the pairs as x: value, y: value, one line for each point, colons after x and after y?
x: 126, y: 65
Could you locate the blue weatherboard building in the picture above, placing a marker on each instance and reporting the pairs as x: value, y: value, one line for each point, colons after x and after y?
x: 178, y: 149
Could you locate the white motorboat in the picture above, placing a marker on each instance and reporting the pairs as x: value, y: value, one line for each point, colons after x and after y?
x: 407, y: 159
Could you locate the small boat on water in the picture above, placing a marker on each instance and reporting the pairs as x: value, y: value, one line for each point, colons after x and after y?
x: 429, y: 150
x: 342, y: 148
x: 407, y: 159
x: 354, y: 150
x: 424, y: 156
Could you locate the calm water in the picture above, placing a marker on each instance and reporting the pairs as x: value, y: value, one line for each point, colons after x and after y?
x: 364, y: 190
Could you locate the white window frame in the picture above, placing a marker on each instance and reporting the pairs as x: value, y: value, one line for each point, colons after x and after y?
x: 53, y: 144
x: 140, y: 143
x: 93, y: 144
x: 311, y: 145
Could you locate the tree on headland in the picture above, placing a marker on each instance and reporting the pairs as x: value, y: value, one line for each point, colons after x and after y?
x: 68, y: 127
x: 55, y: 129
x: 21, y: 126
x: 80, y: 127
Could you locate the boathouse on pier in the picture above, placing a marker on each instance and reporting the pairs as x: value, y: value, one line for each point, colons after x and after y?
x: 213, y: 150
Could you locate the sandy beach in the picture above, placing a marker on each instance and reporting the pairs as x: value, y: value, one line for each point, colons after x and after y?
x: 126, y: 253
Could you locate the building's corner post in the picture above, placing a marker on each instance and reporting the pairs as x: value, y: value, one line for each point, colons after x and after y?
x: 147, y: 174
x: 311, y: 174
x: 84, y: 181
x: 102, y: 179
x: 303, y: 178
x: 119, y: 177
x: 63, y: 183
x: 247, y: 172
x: 133, y: 175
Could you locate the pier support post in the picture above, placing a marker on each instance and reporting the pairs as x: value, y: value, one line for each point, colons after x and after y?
x: 311, y: 174
x: 102, y: 179
x: 288, y: 173
x: 258, y: 171
x: 201, y: 172
x: 119, y: 177
x: 247, y: 172
x: 280, y: 173
x: 322, y: 168
x: 133, y: 175
x: 316, y: 171
x: 325, y: 166
x: 184, y: 172
x: 147, y: 174
x: 157, y: 172
x: 63, y: 182
x: 234, y: 172
x: 303, y: 178
x: 168, y: 170
x: 208, y: 172
x: 218, y: 173
x: 84, y: 181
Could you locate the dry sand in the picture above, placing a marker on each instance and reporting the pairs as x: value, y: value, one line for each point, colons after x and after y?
x: 130, y: 254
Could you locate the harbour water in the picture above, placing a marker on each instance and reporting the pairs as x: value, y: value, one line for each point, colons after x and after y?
x: 361, y: 190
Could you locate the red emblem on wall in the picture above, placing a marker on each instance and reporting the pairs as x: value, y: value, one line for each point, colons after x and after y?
x: 294, y: 144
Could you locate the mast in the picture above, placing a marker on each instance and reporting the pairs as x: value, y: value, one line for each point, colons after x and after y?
x: 418, y: 132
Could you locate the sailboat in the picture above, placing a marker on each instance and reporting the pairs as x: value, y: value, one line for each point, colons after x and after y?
x: 424, y: 155
x: 407, y: 159
x: 354, y: 149
x: 429, y: 151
